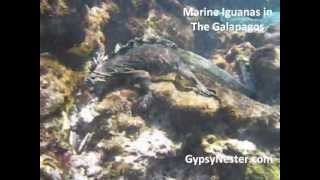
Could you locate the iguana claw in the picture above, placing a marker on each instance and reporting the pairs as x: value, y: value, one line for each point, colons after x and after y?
x: 145, y: 102
x: 205, y: 92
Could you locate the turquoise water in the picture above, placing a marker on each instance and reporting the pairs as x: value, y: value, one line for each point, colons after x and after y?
x: 267, y: 21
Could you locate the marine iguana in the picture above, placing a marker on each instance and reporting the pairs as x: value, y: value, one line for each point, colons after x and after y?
x: 142, y: 58
x: 137, y: 62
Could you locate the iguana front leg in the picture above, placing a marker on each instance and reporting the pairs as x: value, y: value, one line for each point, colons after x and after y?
x: 199, y: 87
x: 143, y: 79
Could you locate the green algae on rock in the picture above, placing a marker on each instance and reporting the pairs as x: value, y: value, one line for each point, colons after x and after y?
x: 262, y: 172
x: 213, y: 145
x: 95, y: 19
x: 57, y: 85
x: 185, y: 100
x: 56, y: 7
x: 117, y: 101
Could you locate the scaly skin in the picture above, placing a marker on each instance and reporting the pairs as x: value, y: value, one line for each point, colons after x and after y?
x: 140, y: 60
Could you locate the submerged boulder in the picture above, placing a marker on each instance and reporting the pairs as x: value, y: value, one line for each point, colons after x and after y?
x: 262, y: 172
x: 265, y: 64
x: 188, y: 101
x: 50, y: 169
x: 213, y: 145
x: 132, y: 156
x: 57, y: 85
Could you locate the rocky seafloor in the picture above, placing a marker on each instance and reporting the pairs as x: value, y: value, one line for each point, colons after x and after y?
x: 114, y: 140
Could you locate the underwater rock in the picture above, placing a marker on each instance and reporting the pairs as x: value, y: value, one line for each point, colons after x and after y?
x: 133, y: 156
x: 153, y: 143
x: 227, y: 39
x: 98, y: 118
x: 95, y: 19
x: 129, y: 124
x: 233, y: 113
x: 60, y: 24
x: 85, y: 165
x: 57, y: 84
x: 246, y: 153
x: 213, y: 145
x: 48, y: 102
x: 239, y: 52
x: 188, y: 101
x: 262, y: 171
x: 49, y: 168
x: 56, y: 7
x: 171, y: 27
x: 271, y: 36
x: 265, y: 64
x: 248, y: 113
x: 117, y: 101
x: 177, y: 169
x: 72, y: 29
x: 236, y: 61
x: 219, y: 59
x: 149, y: 145
x: 53, y: 136
x: 138, y: 17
